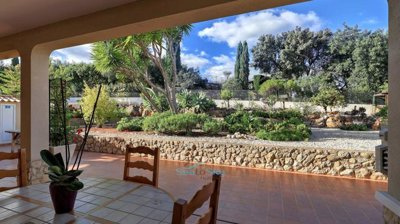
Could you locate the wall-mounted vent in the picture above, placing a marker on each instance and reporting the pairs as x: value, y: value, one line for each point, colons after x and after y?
x: 381, y: 159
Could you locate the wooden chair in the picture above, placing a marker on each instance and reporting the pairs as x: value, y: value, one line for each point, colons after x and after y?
x: 184, y: 209
x: 20, y: 173
x: 142, y: 165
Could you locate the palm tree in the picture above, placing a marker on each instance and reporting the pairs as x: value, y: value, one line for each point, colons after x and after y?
x: 131, y: 56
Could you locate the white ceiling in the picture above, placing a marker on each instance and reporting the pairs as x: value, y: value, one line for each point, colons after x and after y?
x: 21, y: 15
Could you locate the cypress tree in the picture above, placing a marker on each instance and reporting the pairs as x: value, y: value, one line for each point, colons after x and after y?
x: 176, y: 47
x: 178, y: 61
x: 237, y: 62
x: 244, y: 70
x: 15, y: 61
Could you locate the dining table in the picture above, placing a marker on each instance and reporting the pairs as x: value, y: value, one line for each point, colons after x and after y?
x: 15, y: 136
x: 102, y: 201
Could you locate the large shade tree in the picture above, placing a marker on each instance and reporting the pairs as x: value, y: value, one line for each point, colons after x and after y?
x: 341, y: 49
x: 370, y: 61
x: 130, y: 57
x: 359, y: 62
x: 292, y: 54
x: 79, y: 74
x: 10, y: 79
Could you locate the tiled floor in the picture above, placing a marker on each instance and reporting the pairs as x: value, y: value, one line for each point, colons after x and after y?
x: 101, y: 201
x: 262, y: 197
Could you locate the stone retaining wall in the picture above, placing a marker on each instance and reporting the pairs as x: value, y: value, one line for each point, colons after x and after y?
x: 37, y: 172
x: 358, y: 164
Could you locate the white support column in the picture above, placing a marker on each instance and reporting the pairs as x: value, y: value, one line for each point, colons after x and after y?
x: 35, y: 108
x: 394, y: 98
x: 391, y: 199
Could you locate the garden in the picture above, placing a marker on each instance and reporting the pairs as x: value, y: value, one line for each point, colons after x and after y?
x: 310, y: 108
x: 310, y: 89
x: 199, y: 116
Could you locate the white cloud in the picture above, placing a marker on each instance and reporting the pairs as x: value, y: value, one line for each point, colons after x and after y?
x: 251, y: 26
x: 6, y: 61
x: 183, y: 48
x: 75, y: 54
x: 222, y: 63
x: 370, y: 21
x: 195, y: 61
x: 203, y: 53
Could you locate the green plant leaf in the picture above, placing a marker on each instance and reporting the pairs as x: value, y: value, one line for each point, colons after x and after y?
x: 67, y: 179
x: 48, y: 158
x: 75, y: 185
x: 60, y: 161
x: 56, y: 170
x: 54, y: 177
x: 74, y: 173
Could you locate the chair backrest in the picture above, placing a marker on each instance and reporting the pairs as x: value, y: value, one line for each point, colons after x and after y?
x: 184, y: 209
x: 142, y: 165
x: 20, y: 173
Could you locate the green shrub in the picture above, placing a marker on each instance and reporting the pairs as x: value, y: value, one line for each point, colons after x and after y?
x: 355, y: 127
x: 181, y: 123
x: 243, y: 122
x: 197, y: 101
x: 285, y: 114
x: 227, y: 95
x: 213, y: 127
x: 383, y: 113
x: 260, y: 113
x: 151, y: 123
x: 278, y: 114
x: 170, y: 123
x: 106, y: 107
x: 160, y: 101
x: 289, y: 130
x: 121, y: 113
x: 130, y: 124
x: 329, y: 97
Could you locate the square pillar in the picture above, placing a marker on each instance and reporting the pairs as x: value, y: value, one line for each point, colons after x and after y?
x: 394, y: 98
x: 391, y: 199
x: 35, y: 109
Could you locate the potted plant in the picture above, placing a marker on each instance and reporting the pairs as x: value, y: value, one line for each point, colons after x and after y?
x: 64, y: 184
x: 64, y: 178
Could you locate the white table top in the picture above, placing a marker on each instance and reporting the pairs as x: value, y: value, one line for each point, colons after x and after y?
x: 101, y: 201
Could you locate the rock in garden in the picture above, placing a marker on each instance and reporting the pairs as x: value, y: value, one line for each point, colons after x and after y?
x: 363, y: 173
x: 239, y: 160
x: 333, y: 122
x: 347, y: 172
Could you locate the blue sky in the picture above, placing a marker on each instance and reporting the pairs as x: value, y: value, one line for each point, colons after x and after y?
x: 211, y: 46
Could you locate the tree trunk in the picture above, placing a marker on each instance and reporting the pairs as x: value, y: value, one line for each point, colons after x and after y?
x: 149, y: 99
x: 171, y: 92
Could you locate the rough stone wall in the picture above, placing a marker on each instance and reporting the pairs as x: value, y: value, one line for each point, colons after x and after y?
x: 358, y: 164
x: 37, y: 172
x: 390, y: 217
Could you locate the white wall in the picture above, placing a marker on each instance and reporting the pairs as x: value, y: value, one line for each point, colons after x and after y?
x: 121, y: 100
x: 247, y: 104
x: 295, y: 105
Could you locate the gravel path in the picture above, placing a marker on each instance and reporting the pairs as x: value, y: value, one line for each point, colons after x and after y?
x: 322, y: 138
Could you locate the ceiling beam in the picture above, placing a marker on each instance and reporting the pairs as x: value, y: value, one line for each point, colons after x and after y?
x: 136, y: 17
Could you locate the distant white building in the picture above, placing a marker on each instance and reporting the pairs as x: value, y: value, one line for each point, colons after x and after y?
x: 9, y: 117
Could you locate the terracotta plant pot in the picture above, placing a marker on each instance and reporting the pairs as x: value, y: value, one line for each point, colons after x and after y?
x: 63, y: 199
